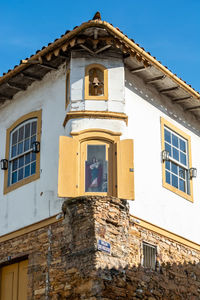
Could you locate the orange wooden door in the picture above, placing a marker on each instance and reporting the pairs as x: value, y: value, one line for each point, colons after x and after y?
x: 22, y: 280
x: 13, y: 285
x: 9, y: 281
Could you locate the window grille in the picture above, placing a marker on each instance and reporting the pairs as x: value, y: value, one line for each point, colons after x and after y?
x: 149, y: 256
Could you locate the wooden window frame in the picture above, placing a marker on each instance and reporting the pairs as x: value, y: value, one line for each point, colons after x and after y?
x: 103, y: 136
x: 105, y: 74
x: 166, y: 124
x: 31, y: 115
x: 67, y: 89
x: 71, y: 177
x: 111, y: 166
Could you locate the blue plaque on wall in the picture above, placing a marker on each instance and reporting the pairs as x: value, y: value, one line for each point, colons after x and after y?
x: 104, y: 246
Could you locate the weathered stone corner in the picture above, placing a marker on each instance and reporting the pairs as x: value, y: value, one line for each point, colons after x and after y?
x: 95, y: 252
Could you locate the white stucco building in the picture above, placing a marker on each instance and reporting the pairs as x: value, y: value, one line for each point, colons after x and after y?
x: 97, y: 87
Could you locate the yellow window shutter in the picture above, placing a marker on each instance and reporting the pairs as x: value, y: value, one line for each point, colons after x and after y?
x: 67, y: 169
x: 125, y: 169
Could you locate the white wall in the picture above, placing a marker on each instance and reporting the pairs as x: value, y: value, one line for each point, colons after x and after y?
x: 115, y: 68
x: 144, y: 107
x: 38, y: 199
x: 154, y: 203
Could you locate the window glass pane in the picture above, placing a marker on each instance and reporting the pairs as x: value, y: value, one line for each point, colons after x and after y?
x: 182, y: 185
x: 20, y: 174
x: 14, y: 138
x: 182, y: 173
x: 33, y: 156
x: 27, y: 130
x: 33, y: 128
x: 33, y: 139
x: 175, y: 181
x: 27, y: 158
x: 174, y: 168
x: 15, y: 164
x: 20, y: 148
x: 167, y: 175
x: 21, y: 161
x: 14, y: 151
x: 27, y: 171
x: 167, y: 136
x: 182, y: 145
x: 174, y: 140
x: 175, y: 153
x: 183, y: 158
x: 14, y: 177
x: 167, y: 165
x: 96, y: 169
x: 26, y: 144
x: 168, y: 148
x: 21, y: 134
x: 33, y: 168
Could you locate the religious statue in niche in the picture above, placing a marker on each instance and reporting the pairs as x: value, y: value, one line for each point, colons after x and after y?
x: 96, y: 170
x: 96, y: 82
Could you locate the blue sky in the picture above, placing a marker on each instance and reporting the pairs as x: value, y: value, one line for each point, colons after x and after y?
x: 169, y: 30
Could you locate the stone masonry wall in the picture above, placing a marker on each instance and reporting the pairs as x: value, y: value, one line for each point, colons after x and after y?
x: 64, y: 262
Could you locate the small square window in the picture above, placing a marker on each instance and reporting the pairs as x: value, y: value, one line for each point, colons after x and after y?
x: 96, y: 82
x: 149, y: 256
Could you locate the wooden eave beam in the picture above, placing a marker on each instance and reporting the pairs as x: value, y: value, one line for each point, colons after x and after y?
x: 152, y: 80
x: 32, y: 77
x: 12, y: 87
x: 165, y: 91
x: 180, y: 100
x: 95, y: 52
x: 16, y: 86
x: 63, y: 56
x: 102, y: 49
x: 139, y: 69
x: 192, y: 108
x: 87, y: 49
x: 38, y: 62
x: 45, y: 66
x: 31, y: 62
x: 5, y: 97
x: 115, y: 32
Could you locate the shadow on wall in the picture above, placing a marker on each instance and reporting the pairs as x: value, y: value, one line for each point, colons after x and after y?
x: 171, y: 281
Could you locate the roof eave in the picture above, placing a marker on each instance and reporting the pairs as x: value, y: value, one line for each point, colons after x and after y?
x: 117, y: 34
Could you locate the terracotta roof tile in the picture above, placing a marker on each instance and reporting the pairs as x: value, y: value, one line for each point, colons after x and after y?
x: 102, y: 23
